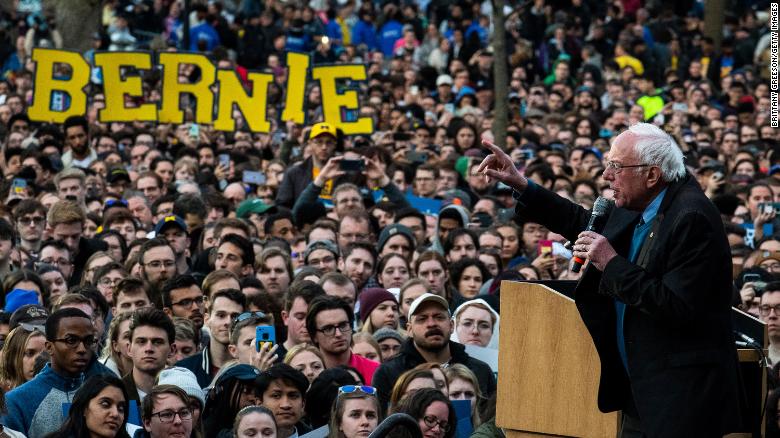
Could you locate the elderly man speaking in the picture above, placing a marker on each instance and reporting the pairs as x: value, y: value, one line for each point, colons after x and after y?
x: 656, y: 292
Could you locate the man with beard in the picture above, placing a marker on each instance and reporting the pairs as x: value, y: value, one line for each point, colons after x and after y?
x: 323, y: 142
x: 158, y: 264
x: 329, y: 324
x: 79, y: 153
x: 429, y: 326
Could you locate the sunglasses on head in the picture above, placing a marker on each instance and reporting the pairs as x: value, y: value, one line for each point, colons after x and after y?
x: 349, y: 389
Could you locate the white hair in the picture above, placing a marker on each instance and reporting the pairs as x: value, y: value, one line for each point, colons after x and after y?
x: 656, y: 147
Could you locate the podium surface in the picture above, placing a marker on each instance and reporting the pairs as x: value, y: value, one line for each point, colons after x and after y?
x: 548, y: 367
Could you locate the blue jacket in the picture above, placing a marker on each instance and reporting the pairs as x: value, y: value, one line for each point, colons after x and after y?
x: 36, y: 407
x: 364, y: 33
x: 200, y: 365
x: 388, y: 35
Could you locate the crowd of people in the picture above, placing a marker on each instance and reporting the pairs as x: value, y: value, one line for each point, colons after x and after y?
x: 172, y: 280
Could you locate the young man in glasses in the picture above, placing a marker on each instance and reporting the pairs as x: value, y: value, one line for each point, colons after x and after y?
x: 282, y: 389
x: 158, y: 262
x: 769, y: 312
x: 151, y: 343
x: 225, y: 306
x: 166, y: 412
x: 183, y: 297
x: 329, y: 323
x: 35, y: 408
x: 30, y: 216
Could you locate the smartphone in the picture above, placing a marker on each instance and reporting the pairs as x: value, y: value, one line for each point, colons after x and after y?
x: 264, y: 334
x: 402, y: 136
x: 417, y: 157
x: 414, y: 90
x: 717, y: 175
x: 195, y: 130
x: 768, y: 207
x: 252, y: 177
x: 449, y: 107
x: 352, y: 165
x: 545, y: 247
x: 748, y: 278
x: 224, y: 160
x: 680, y: 107
x: 19, y: 186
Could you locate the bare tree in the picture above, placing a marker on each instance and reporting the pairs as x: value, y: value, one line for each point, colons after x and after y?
x: 76, y: 21
x: 500, y: 74
x: 713, y: 20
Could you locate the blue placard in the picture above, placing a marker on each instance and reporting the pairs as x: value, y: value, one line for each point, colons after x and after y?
x: 463, y: 414
x: 425, y: 206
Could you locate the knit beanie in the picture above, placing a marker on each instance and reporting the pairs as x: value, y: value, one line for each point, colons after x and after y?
x: 372, y: 297
x: 184, y: 379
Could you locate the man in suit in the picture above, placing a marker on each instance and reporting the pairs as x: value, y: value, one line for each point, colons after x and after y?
x: 656, y: 292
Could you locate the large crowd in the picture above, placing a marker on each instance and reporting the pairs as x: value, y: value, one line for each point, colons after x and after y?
x: 173, y: 280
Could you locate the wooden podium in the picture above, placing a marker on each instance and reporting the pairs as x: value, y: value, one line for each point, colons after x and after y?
x: 548, y: 377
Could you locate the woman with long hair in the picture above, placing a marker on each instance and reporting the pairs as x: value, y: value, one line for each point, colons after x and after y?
x: 234, y: 389
x: 21, y: 348
x: 356, y: 412
x: 463, y: 385
x: 117, y: 349
x: 410, y: 382
x: 433, y: 412
x: 99, y: 408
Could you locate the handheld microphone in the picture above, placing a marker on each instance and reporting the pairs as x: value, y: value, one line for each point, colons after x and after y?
x: 601, y: 209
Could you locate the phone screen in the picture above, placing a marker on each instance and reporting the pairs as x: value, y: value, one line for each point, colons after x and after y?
x: 352, y: 165
x: 545, y: 247
x: 264, y: 334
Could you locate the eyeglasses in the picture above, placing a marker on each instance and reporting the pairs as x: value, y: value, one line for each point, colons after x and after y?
x: 167, y: 416
x: 58, y: 263
x: 617, y: 167
x: 330, y: 330
x: 108, y: 282
x: 187, y: 302
x: 246, y: 315
x: 74, y: 341
x: 157, y: 264
x: 432, y: 422
x: 35, y: 220
x: 766, y: 309
x: 349, y: 389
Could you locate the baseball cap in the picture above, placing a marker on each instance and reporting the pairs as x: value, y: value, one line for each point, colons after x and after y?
x: 116, y: 174
x: 444, y: 80
x: 426, y: 298
x: 32, y: 314
x: 252, y: 206
x: 767, y: 255
x: 323, y: 128
x: 169, y: 221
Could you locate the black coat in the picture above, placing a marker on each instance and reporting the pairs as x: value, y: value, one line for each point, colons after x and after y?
x: 387, y: 373
x: 677, y: 326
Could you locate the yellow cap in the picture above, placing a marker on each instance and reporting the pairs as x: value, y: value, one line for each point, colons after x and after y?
x: 323, y: 128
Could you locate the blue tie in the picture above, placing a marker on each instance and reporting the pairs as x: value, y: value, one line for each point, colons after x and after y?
x: 640, y: 233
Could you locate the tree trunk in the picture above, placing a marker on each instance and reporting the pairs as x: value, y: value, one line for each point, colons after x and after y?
x: 76, y: 21
x: 500, y: 74
x: 713, y: 21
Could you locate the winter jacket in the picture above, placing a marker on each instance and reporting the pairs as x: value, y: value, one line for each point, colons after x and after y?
x: 36, y: 407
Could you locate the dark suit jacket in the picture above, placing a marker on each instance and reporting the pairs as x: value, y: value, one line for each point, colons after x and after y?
x: 678, y: 335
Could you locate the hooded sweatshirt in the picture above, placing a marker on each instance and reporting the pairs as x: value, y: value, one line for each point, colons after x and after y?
x: 461, y: 212
x: 493, y: 339
x: 36, y: 407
